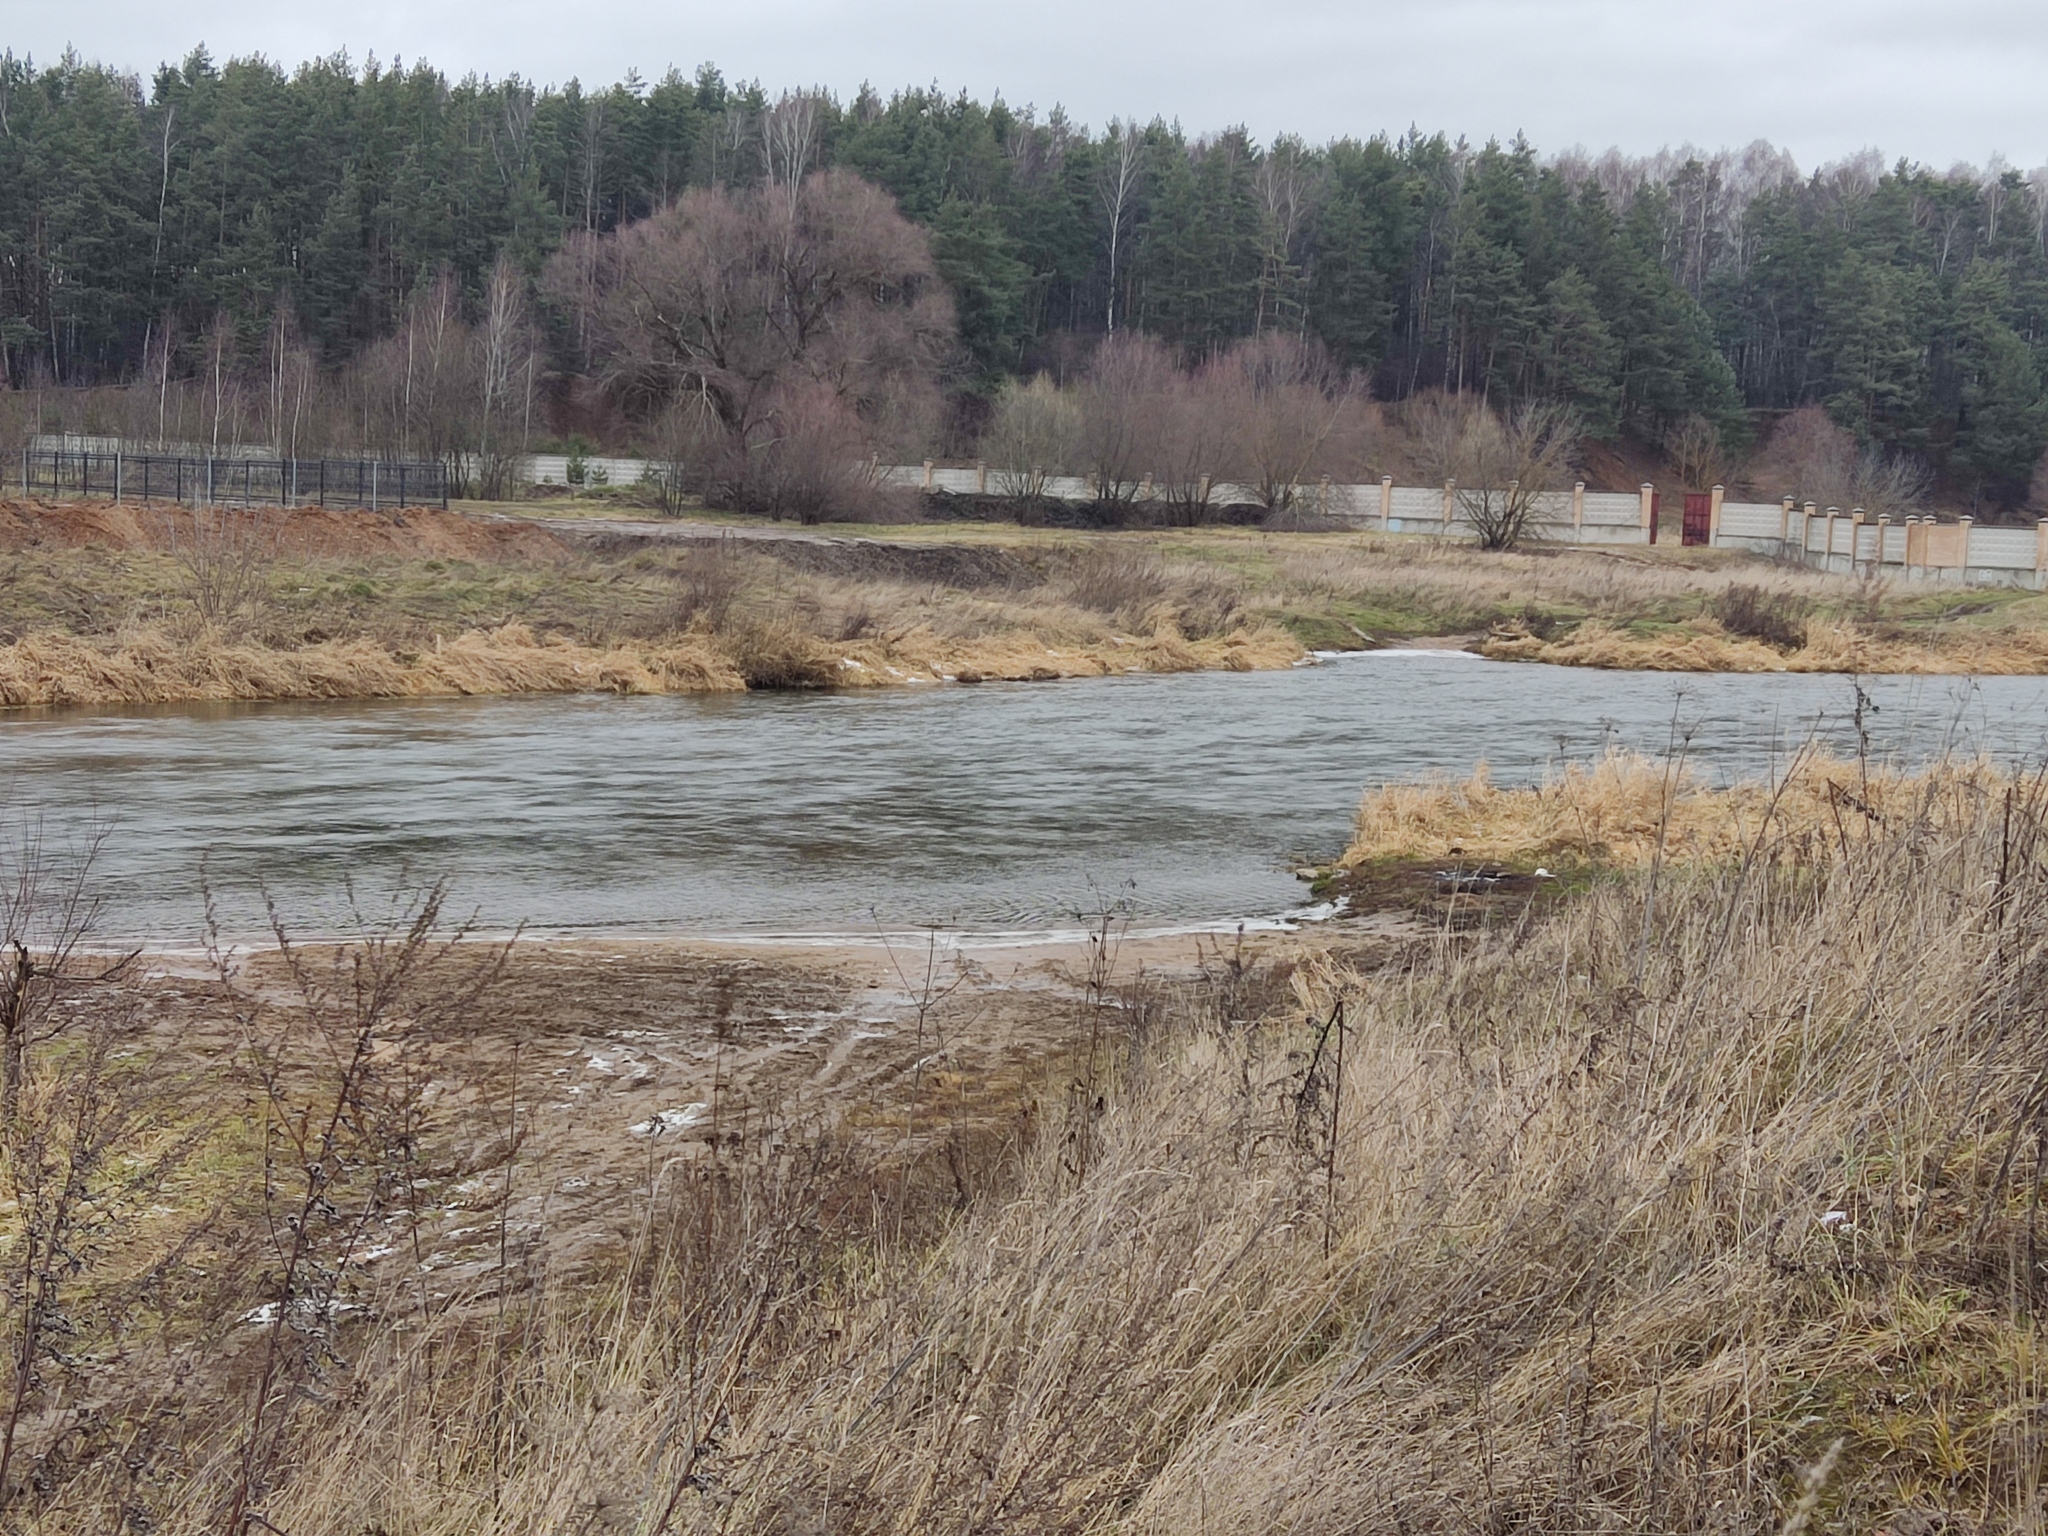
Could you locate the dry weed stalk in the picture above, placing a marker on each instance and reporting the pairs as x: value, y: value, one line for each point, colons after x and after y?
x: 343, y: 1073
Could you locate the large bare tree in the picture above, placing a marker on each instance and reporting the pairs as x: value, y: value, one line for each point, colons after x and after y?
x: 758, y: 315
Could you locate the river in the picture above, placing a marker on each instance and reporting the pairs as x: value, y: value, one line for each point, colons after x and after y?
x: 1009, y: 808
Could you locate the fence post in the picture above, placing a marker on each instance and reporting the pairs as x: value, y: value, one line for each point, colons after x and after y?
x: 373, y: 485
x: 1579, y: 511
x: 1784, y: 524
x: 981, y: 477
x: 1386, y: 502
x: 1450, y: 501
x: 927, y: 474
x: 1963, y: 574
x: 1806, y: 531
x: 2041, y: 552
x: 1648, y: 496
x: 1323, y: 497
x: 1714, y: 518
x: 24, y: 474
x: 401, y: 484
x: 117, y: 477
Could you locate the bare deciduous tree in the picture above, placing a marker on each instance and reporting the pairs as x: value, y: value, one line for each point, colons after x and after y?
x: 1501, y: 464
x: 789, y: 141
x: 1122, y: 166
x: 1289, y: 403
x: 1812, y: 458
x: 1117, y: 397
x: 223, y: 383
x: 1695, y: 450
x: 1189, y: 432
x: 506, y: 357
x: 759, y: 308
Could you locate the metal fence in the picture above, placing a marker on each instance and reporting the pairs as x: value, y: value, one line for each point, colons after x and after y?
x: 206, y: 481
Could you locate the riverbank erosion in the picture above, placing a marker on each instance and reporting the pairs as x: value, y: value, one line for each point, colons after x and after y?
x: 113, y: 605
x: 1701, y: 1198
x: 166, y: 665
x: 104, y: 604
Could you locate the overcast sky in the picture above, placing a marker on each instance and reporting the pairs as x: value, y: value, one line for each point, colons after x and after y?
x: 1938, y: 82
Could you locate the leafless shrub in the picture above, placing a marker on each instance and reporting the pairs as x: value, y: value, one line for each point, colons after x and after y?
x: 223, y: 556
x: 1889, y: 484
x: 89, y: 1137
x: 343, y: 1072
x: 1031, y: 436
x: 1776, y: 618
x: 706, y: 583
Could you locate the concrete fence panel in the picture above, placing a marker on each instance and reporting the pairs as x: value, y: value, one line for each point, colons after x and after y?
x: 1752, y: 520
x: 2002, y: 549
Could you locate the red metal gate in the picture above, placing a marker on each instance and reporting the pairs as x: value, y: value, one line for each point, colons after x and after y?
x: 1699, y: 518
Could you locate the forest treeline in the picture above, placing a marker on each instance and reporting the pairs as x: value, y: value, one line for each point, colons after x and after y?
x: 205, y: 217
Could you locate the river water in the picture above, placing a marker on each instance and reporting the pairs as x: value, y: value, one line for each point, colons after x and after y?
x: 992, y: 809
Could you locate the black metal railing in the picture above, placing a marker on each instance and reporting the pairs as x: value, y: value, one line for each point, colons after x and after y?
x: 202, y: 481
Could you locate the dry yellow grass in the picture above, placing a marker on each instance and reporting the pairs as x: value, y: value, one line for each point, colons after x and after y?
x: 1623, y: 809
x: 1635, y: 1216
x: 160, y: 665
x: 1620, y: 1218
x: 1837, y: 647
x: 156, y: 666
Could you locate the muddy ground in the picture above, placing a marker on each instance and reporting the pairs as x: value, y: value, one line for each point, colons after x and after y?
x: 589, y: 1071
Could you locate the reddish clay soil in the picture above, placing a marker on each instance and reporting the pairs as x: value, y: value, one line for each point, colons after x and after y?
x: 306, y: 532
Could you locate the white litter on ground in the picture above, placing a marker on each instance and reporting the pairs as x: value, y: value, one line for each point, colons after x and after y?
x: 668, y: 1120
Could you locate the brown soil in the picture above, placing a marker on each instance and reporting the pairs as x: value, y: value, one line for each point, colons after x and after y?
x: 301, y: 533
x: 1454, y: 892
x: 589, y: 1045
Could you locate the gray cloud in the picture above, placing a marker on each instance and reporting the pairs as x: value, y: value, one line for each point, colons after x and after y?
x: 1933, y: 82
